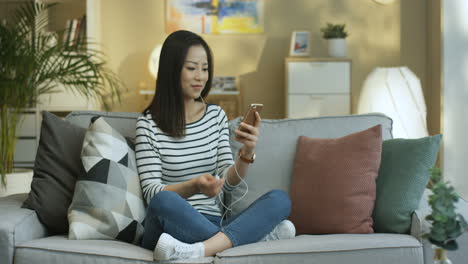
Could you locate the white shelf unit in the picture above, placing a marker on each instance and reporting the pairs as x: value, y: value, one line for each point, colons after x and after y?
x: 27, y: 139
x: 317, y: 87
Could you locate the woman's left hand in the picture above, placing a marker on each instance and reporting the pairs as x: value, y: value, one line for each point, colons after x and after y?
x: 249, y: 138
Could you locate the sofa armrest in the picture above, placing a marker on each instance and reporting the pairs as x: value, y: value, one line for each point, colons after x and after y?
x: 419, y: 224
x: 17, y: 225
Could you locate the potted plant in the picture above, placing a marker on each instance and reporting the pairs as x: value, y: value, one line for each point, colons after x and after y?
x: 447, y: 225
x: 335, y: 34
x: 33, y: 64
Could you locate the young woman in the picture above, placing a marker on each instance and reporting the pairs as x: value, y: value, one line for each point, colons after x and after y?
x: 185, y: 162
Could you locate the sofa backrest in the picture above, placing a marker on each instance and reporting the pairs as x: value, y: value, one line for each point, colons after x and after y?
x: 124, y: 122
x: 276, y: 149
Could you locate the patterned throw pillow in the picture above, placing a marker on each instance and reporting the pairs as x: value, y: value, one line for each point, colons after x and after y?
x: 108, y: 202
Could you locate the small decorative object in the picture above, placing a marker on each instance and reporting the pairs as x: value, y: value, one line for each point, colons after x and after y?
x: 224, y: 85
x: 384, y: 2
x: 396, y: 92
x: 335, y: 34
x: 300, y: 43
x: 447, y: 225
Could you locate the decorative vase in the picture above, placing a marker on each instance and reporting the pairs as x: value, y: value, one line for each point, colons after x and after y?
x: 337, y: 47
x: 440, y: 256
x: 19, y: 181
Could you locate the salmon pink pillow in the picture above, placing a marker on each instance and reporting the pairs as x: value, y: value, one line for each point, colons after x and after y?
x: 333, y: 187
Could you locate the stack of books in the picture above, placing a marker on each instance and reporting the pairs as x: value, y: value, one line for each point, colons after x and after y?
x: 75, y: 31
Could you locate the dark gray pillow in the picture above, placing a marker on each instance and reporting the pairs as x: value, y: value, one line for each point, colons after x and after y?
x: 56, y: 169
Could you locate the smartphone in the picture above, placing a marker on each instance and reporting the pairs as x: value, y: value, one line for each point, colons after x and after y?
x: 249, y: 117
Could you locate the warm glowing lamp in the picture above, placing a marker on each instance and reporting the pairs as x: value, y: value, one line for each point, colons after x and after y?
x: 397, y: 93
x: 153, y: 63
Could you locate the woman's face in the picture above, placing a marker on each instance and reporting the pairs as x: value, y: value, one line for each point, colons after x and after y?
x: 194, y: 73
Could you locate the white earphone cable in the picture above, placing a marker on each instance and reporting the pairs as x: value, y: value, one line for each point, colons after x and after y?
x: 229, y: 208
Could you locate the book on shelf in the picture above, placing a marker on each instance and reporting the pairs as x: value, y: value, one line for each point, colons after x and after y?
x: 82, y: 30
x: 71, y: 36
x: 75, y: 31
x: 66, y: 33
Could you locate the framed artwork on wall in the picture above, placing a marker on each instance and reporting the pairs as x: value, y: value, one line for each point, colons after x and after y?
x: 215, y: 16
x: 300, y: 42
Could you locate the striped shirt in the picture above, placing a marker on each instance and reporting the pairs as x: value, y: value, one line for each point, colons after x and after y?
x: 164, y: 160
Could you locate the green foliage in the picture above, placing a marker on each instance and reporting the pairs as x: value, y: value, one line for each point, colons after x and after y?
x: 31, y: 64
x: 334, y: 31
x: 447, y: 225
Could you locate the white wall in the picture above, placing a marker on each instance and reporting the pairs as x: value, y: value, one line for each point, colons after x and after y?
x: 455, y: 93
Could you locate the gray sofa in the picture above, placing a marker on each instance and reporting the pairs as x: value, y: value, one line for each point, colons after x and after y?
x: 24, y: 240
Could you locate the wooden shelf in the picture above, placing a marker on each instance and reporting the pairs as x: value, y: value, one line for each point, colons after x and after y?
x: 230, y: 103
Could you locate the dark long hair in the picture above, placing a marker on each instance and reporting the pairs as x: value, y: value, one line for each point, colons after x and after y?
x: 167, y: 108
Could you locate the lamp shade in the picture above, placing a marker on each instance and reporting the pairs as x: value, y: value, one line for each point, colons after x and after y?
x: 397, y: 93
x: 153, y: 63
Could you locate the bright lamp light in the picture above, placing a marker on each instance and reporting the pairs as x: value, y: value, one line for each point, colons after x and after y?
x: 397, y: 93
x: 153, y: 63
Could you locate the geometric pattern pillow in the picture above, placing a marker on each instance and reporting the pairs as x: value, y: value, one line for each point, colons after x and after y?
x: 107, y: 202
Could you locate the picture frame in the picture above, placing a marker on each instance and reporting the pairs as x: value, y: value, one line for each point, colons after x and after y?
x: 300, y: 43
x: 215, y: 16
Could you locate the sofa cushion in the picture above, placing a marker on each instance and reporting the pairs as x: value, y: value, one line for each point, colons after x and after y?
x: 56, y: 168
x: 333, y: 184
x: 403, y: 176
x: 337, y: 248
x: 111, y: 172
x: 276, y: 148
x: 58, y: 249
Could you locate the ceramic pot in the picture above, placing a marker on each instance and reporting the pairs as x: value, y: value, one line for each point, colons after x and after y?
x: 19, y: 181
x: 337, y: 47
x: 440, y: 256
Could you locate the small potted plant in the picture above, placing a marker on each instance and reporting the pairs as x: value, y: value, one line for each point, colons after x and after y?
x: 447, y: 224
x: 335, y: 34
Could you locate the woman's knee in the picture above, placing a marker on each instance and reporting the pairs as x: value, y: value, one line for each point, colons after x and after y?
x: 281, y: 200
x: 161, y: 202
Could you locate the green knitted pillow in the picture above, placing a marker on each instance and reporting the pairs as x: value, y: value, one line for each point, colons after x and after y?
x: 403, y: 176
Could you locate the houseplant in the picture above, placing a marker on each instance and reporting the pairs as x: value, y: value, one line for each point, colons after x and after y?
x: 32, y: 64
x: 335, y: 34
x: 447, y: 225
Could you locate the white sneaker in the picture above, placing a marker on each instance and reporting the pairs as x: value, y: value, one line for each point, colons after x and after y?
x: 169, y: 248
x: 284, y: 230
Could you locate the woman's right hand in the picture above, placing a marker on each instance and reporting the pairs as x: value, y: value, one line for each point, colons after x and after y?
x: 209, y: 185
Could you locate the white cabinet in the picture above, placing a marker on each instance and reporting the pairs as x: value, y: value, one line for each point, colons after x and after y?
x: 317, y: 87
x: 27, y: 139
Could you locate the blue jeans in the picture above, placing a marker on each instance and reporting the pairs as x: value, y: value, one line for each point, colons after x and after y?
x: 169, y: 213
